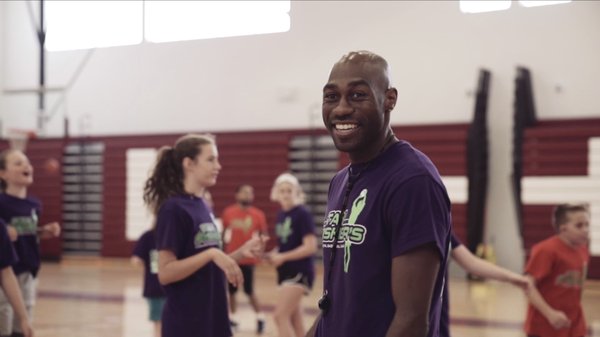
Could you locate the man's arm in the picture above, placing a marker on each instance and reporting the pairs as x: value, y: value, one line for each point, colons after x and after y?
x: 413, y: 280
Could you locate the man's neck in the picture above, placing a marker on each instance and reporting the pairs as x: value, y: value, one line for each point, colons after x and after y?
x: 389, y: 140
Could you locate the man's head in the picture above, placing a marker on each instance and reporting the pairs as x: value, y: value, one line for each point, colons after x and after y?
x: 244, y: 195
x: 572, y: 222
x: 357, y: 101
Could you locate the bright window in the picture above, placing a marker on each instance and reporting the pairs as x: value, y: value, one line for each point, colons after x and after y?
x: 542, y: 3
x: 139, y: 164
x: 191, y: 20
x: 484, y: 6
x: 92, y: 24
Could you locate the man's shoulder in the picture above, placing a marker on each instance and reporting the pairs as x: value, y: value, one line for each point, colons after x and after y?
x: 406, y: 176
x: 406, y: 163
x: 409, y: 157
x: 340, y: 174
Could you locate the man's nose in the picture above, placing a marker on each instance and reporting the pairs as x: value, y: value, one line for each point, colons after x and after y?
x: 343, y: 107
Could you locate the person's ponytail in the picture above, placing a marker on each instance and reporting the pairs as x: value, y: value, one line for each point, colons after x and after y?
x: 166, y: 179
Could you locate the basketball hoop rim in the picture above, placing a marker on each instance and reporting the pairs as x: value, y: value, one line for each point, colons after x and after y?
x: 18, y: 138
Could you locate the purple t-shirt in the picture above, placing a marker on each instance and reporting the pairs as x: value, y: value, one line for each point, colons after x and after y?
x: 197, y: 305
x: 291, y: 227
x: 398, y: 203
x: 23, y: 214
x: 145, y: 249
x: 8, y: 257
x: 445, y: 316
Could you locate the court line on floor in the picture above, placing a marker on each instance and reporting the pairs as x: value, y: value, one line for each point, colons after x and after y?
x: 269, y: 308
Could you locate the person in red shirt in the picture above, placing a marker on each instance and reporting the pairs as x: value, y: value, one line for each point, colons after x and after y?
x: 242, y: 221
x: 557, y: 268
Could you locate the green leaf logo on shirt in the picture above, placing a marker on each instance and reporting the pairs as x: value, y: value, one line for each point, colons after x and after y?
x: 357, y: 207
x: 284, y: 229
x: 25, y: 225
x: 207, y: 235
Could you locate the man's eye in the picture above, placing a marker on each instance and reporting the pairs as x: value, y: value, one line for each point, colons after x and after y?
x: 358, y: 95
x: 329, y: 97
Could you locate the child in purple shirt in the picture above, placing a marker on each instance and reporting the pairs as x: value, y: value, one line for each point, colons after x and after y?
x: 293, y: 257
x: 191, y: 266
x: 21, y: 213
x: 146, y: 255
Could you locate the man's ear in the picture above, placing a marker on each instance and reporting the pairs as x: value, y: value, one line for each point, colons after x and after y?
x: 391, y: 96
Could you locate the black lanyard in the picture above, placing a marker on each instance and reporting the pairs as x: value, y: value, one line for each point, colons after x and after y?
x: 325, y: 301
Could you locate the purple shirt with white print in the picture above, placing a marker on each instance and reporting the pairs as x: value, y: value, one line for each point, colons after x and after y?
x: 23, y: 215
x: 197, y: 305
x: 397, y: 203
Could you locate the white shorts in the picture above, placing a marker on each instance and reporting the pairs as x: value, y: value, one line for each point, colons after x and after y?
x: 9, y: 322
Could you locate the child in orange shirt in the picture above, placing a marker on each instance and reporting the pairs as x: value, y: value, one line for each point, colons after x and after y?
x: 557, y: 267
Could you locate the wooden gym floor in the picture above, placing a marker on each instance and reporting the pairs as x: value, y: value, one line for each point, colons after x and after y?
x: 97, y: 297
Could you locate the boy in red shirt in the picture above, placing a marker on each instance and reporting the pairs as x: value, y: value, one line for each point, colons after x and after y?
x: 557, y: 267
x: 240, y: 222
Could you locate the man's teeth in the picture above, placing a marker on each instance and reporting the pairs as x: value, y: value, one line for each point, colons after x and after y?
x: 345, y: 126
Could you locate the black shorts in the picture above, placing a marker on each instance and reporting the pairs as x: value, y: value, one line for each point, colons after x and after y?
x: 248, y: 273
x: 302, y: 279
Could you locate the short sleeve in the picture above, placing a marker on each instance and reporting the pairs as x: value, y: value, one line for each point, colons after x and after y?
x: 539, y: 265
x: 418, y: 212
x: 454, y: 241
x: 170, y: 231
